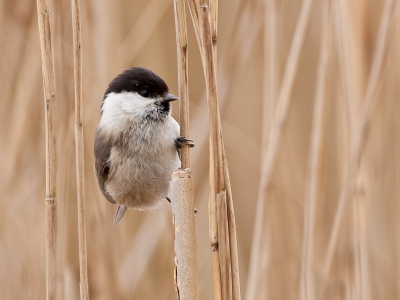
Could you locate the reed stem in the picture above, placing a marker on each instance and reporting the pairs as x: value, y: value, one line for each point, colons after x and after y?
x: 49, y: 87
x: 182, y: 193
x: 79, y: 149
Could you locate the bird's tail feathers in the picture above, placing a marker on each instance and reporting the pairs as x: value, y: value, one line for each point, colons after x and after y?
x: 119, y: 214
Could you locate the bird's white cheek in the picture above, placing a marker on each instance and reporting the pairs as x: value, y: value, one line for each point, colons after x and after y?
x: 120, y: 108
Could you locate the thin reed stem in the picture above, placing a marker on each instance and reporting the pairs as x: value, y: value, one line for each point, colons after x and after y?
x: 181, y: 45
x: 216, y: 168
x: 357, y: 150
x: 224, y: 247
x: 79, y: 149
x: 49, y: 87
x: 275, y: 136
x: 232, y: 231
x: 307, y: 287
x: 222, y: 228
x: 268, y: 108
x: 182, y: 193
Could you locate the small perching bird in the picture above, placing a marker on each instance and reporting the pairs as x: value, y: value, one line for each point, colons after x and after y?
x: 136, y: 141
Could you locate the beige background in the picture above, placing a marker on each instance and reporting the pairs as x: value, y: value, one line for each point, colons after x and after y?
x: 135, y: 260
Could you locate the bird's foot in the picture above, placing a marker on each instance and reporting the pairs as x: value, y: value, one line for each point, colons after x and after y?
x: 180, y: 141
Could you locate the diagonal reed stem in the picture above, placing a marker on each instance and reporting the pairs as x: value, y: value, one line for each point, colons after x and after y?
x: 79, y: 149
x: 316, y: 147
x: 274, y: 139
x: 49, y: 87
x: 356, y: 152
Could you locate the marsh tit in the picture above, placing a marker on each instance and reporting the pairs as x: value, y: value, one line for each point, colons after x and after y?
x: 136, y: 142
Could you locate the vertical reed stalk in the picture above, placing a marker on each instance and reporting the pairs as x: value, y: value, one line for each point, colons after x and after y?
x: 222, y: 216
x: 216, y: 178
x: 307, y: 288
x: 229, y: 233
x: 357, y: 150
x: 268, y: 108
x: 181, y: 45
x: 185, y: 237
x: 274, y: 139
x: 182, y: 193
x: 79, y: 149
x: 49, y: 87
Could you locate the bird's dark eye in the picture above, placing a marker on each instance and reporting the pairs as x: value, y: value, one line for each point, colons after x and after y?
x: 145, y: 93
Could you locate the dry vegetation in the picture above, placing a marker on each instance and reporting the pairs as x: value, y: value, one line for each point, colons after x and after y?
x: 309, y: 100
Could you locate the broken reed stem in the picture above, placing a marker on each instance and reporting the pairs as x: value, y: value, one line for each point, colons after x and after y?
x: 357, y: 150
x: 182, y: 193
x: 212, y: 100
x: 216, y: 180
x: 319, y: 124
x: 79, y: 149
x: 205, y: 22
x: 232, y: 232
x: 185, y: 241
x: 231, y: 257
x: 49, y: 87
x: 213, y: 229
x: 224, y: 249
x: 274, y: 139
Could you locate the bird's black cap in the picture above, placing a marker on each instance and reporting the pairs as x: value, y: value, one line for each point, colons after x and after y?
x: 137, y: 80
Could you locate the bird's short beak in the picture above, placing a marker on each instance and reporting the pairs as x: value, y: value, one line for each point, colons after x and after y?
x: 169, y: 98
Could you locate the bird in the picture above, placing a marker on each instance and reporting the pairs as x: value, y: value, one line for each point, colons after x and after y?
x: 137, y: 141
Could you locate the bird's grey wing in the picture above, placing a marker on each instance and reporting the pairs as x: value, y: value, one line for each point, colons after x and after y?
x: 102, y: 150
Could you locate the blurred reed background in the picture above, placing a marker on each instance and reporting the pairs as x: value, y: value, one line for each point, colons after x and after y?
x: 314, y: 171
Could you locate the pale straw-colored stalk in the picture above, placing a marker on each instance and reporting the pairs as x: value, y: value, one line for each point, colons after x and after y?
x: 357, y: 150
x: 216, y: 169
x: 231, y: 231
x: 200, y: 18
x: 49, y: 87
x: 222, y: 229
x: 268, y: 108
x: 182, y: 194
x: 274, y: 143
x: 307, y: 287
x: 79, y: 149
x: 225, y: 210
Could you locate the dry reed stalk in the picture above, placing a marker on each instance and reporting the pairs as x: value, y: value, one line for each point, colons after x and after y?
x: 224, y: 246
x: 274, y: 140
x: 360, y: 246
x: 213, y: 229
x: 221, y: 285
x: 225, y: 263
x: 226, y: 224
x: 307, y: 288
x: 49, y: 87
x: 192, y: 4
x: 181, y: 44
x: 269, y: 102
x: 182, y: 193
x: 79, y: 149
x: 357, y: 150
x: 234, y: 256
x: 185, y: 241
x: 202, y: 29
x: 351, y: 61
